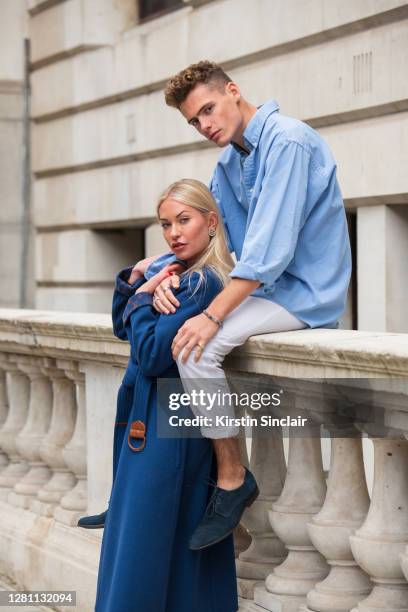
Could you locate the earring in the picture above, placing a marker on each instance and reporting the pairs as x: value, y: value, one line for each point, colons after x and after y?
x: 211, y: 232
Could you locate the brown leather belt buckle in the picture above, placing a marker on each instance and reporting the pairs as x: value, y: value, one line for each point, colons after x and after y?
x: 137, y: 431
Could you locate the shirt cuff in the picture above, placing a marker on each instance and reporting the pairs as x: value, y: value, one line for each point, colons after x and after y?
x: 245, y: 271
x: 121, y: 284
x: 139, y: 299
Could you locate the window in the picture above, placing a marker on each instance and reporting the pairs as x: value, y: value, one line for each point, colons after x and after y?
x: 149, y: 9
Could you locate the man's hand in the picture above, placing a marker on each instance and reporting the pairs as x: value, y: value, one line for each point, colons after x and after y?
x: 140, y: 268
x: 164, y: 299
x: 196, y: 332
x: 164, y: 274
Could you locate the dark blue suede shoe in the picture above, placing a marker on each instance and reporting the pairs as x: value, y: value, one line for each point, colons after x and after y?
x: 223, y: 513
x: 96, y: 521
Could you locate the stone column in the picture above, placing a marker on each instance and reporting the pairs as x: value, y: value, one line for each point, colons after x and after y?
x: 266, y: 550
x: 302, y: 497
x: 3, y: 408
x: 29, y: 439
x: 74, y: 503
x: 377, y: 545
x: 344, y: 510
x: 382, y: 250
x: 154, y: 241
x: 59, y: 433
x: 18, y: 391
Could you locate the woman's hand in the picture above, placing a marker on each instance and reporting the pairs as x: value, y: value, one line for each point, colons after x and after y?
x: 150, y: 285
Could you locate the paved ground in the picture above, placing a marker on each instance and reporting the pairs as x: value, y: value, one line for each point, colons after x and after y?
x: 244, y: 605
x: 6, y: 586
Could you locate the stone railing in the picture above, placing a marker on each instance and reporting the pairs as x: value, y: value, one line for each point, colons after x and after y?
x: 319, y: 542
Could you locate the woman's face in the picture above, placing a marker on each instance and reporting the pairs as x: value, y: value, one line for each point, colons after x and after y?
x: 185, y: 229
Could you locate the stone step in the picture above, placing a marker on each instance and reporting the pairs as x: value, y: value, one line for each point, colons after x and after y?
x: 247, y: 605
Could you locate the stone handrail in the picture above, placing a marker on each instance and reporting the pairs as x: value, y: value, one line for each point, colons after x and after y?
x: 317, y: 544
x: 310, y: 353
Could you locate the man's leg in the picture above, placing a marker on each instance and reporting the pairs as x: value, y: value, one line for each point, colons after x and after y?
x: 254, y: 316
x: 230, y: 471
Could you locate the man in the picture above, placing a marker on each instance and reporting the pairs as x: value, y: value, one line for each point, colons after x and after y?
x: 276, y: 187
x: 275, y: 184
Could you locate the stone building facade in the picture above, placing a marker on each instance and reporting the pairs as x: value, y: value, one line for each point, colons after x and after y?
x: 16, y: 258
x: 104, y: 144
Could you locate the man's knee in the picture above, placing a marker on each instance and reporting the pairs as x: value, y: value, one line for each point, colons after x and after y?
x: 207, y: 359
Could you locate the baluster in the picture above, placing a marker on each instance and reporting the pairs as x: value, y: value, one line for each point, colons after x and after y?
x: 301, y: 498
x: 404, y: 555
x: 266, y: 550
x: 18, y: 391
x: 343, y: 511
x: 29, y: 439
x: 74, y: 503
x: 377, y: 545
x: 59, y: 433
x: 3, y: 408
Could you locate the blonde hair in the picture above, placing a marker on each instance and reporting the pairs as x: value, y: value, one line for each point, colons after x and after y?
x: 216, y: 256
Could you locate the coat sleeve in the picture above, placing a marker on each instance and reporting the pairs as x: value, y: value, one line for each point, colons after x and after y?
x: 123, y: 291
x: 151, y: 334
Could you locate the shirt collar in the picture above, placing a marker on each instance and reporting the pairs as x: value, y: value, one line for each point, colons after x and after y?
x: 255, y: 126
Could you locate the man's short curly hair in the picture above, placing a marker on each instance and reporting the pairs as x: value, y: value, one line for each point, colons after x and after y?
x: 180, y: 85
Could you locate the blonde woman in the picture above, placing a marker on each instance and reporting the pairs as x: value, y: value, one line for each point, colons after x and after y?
x: 160, y: 488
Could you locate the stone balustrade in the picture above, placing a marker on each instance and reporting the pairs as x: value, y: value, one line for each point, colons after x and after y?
x: 329, y: 531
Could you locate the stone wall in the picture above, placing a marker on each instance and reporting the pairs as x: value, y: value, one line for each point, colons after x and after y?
x: 104, y: 143
x: 12, y: 32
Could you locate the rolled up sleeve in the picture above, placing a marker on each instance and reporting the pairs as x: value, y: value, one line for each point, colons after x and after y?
x: 278, y: 215
x: 123, y: 286
x: 123, y: 291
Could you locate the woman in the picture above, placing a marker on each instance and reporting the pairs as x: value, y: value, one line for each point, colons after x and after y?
x: 160, y: 488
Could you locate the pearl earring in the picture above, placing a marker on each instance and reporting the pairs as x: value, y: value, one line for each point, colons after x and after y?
x: 211, y: 232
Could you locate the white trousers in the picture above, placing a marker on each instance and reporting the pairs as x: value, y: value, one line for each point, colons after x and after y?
x: 253, y: 316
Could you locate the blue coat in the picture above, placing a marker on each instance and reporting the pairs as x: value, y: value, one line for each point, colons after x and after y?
x: 159, y: 494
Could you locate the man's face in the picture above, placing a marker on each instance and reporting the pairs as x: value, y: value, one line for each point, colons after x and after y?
x: 214, y: 112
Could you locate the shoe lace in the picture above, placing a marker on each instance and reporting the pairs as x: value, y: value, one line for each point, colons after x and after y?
x: 211, y: 482
x: 210, y: 510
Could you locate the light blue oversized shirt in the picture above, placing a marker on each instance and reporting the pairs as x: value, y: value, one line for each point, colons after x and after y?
x: 284, y: 216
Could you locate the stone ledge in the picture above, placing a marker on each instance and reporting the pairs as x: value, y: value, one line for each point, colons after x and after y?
x: 38, y: 6
x: 6, y: 585
x: 326, y: 353
x: 81, y: 336
x: 314, y: 353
